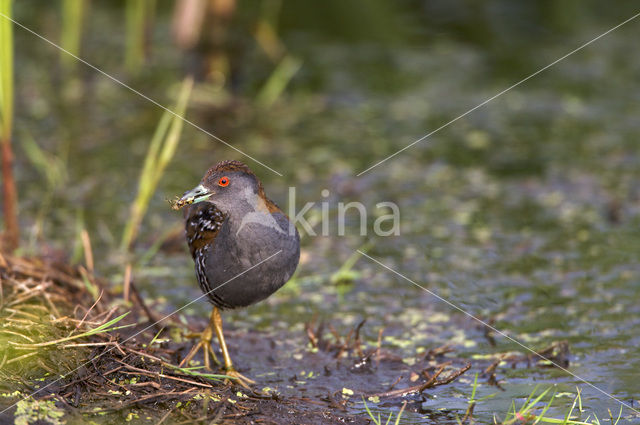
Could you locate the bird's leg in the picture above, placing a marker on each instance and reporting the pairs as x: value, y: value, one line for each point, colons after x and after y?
x: 205, y: 343
x: 216, y: 319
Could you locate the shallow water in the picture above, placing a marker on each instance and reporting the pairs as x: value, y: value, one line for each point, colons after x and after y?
x: 523, y: 212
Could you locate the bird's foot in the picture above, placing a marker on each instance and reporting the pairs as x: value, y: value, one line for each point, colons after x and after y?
x: 203, y: 343
x: 239, y: 379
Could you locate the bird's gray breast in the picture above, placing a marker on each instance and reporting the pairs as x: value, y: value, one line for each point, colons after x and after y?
x: 251, y: 258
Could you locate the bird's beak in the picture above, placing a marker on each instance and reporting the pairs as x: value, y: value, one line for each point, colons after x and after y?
x: 195, y: 195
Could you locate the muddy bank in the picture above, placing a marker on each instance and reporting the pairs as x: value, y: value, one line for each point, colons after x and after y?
x: 73, y: 350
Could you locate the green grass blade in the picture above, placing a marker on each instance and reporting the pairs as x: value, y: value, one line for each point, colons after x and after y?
x: 528, y: 406
x: 400, y: 413
x: 105, y: 327
x: 278, y: 81
x: 389, y: 418
x: 562, y: 421
x: 161, y: 149
x: 191, y: 372
x: 373, y: 418
x: 173, y: 137
x: 568, y: 414
x: 71, y: 36
x: 6, y: 71
x: 619, y: 416
x: 135, y: 21
x: 145, y: 189
x: 541, y: 415
x: 473, y: 389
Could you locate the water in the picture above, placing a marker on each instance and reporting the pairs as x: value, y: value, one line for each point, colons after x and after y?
x: 523, y: 212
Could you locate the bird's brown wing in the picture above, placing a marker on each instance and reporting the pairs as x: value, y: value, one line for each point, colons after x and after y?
x: 202, y: 224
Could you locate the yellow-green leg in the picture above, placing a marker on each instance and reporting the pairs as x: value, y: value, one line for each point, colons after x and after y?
x: 205, y: 343
x: 216, y: 320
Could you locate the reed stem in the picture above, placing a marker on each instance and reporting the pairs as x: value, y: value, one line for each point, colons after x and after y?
x: 73, y: 12
x: 138, y: 18
x: 10, y: 196
x: 161, y: 149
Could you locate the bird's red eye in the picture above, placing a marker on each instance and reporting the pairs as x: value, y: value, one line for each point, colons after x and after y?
x: 224, y: 181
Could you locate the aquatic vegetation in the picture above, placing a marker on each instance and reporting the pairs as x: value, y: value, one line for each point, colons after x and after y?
x: 378, y: 420
x: 346, y: 273
x: 30, y: 411
x: 526, y: 413
x: 535, y: 408
x: 473, y: 401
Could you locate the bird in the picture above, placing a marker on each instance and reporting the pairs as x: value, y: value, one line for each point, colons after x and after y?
x: 243, y: 246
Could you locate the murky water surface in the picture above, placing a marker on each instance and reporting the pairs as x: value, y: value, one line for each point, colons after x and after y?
x: 523, y: 213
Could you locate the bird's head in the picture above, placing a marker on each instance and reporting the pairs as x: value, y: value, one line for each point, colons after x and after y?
x: 231, y: 186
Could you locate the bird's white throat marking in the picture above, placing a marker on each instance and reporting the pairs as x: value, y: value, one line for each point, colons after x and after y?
x: 260, y: 213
